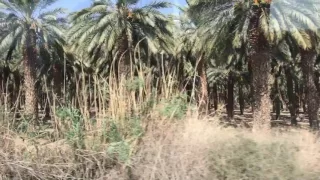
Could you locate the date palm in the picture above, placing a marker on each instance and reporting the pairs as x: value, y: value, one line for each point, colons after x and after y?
x: 248, y: 20
x: 28, y: 28
x: 300, y: 21
x: 196, y: 54
x: 117, y: 27
x: 286, y: 54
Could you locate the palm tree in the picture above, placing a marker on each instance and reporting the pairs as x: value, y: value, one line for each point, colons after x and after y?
x: 299, y: 21
x: 207, y: 41
x: 286, y: 55
x: 248, y: 21
x: 29, y: 29
x: 260, y: 58
x: 189, y: 47
x: 308, y: 58
x: 117, y: 27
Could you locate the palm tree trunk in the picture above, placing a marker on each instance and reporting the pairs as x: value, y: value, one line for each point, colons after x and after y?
x: 297, y: 95
x: 277, y: 101
x: 261, y: 93
x: 123, y: 67
x: 308, y: 59
x: 241, y: 99
x: 2, y: 87
x: 316, y: 81
x: 29, y: 61
x: 239, y: 67
x: 215, y: 97
x: 251, y: 84
x: 291, y: 96
x: 123, y: 58
x: 230, y: 99
x: 180, y: 72
x: 16, y: 89
x: 6, y: 84
x: 203, y: 95
x: 261, y: 66
x: 303, y: 98
x: 57, y: 80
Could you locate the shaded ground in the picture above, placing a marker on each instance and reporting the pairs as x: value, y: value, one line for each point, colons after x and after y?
x: 245, y: 120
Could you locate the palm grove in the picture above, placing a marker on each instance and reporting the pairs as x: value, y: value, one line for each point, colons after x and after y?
x: 261, y: 54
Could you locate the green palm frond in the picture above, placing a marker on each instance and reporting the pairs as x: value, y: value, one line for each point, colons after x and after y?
x: 105, y: 24
x: 18, y: 17
x: 297, y: 18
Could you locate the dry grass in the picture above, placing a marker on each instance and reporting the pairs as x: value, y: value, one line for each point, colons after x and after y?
x: 133, y: 130
x: 181, y: 150
x: 200, y: 149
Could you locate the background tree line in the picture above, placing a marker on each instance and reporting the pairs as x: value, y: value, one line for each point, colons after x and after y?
x: 250, y: 53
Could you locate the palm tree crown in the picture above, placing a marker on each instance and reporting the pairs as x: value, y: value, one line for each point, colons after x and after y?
x: 118, y: 26
x: 19, y: 16
x: 35, y: 33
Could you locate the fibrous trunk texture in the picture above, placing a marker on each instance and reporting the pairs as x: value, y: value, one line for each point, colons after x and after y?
x: 57, y: 79
x: 308, y: 59
x: 29, y: 61
x: 277, y: 100
x: 215, y: 97
x: 230, y: 100
x: 123, y: 59
x: 203, y: 88
x: 259, y: 58
x: 291, y: 96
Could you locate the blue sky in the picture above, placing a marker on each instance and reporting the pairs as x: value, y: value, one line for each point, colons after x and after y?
x: 74, y: 5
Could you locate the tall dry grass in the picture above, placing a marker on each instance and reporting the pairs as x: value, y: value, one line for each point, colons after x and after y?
x: 201, y: 149
x: 189, y: 149
x: 131, y: 129
x: 95, y: 128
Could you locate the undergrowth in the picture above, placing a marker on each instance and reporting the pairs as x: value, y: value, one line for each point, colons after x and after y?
x: 132, y: 130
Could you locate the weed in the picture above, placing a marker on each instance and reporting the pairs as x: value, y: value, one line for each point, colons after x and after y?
x: 135, y: 84
x: 176, y: 107
x: 244, y: 158
x: 119, y: 150
x: 73, y: 121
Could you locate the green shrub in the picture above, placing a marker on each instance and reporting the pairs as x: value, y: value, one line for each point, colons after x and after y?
x: 114, y: 134
x: 120, y: 151
x: 148, y: 105
x: 118, y: 148
x: 176, y: 107
x: 136, y: 129
x: 134, y: 84
x: 247, y: 159
x: 74, y: 122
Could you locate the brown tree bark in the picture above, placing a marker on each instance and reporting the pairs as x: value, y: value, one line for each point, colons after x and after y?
x: 291, y: 96
x: 180, y: 72
x: 251, y: 83
x: 230, y: 99
x: 2, y: 90
x: 308, y: 59
x: 277, y: 101
x: 29, y: 61
x: 302, y: 96
x: 316, y: 81
x: 57, y: 80
x: 6, y: 86
x: 241, y: 99
x: 240, y: 88
x: 203, y: 88
x: 123, y: 59
x: 297, y: 95
x: 260, y: 57
x: 215, y: 97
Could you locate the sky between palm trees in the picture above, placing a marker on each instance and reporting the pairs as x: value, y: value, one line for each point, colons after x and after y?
x: 74, y: 5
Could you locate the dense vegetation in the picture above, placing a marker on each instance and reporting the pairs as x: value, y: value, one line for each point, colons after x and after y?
x: 106, y: 73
